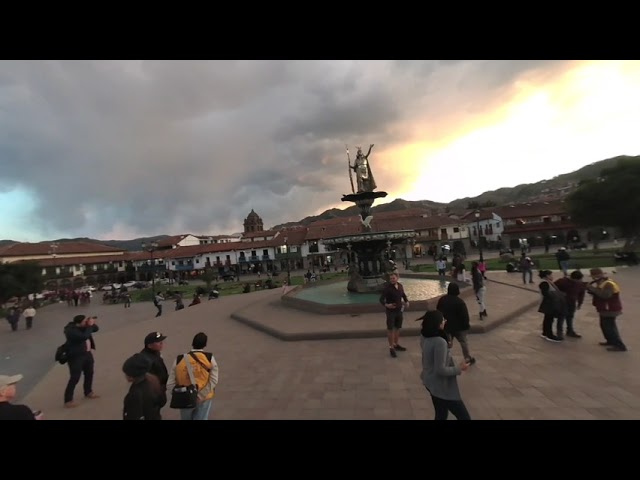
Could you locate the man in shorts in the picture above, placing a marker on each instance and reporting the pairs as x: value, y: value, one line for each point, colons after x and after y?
x: 395, y: 301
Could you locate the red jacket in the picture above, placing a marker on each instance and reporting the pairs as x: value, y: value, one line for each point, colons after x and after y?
x: 573, y: 289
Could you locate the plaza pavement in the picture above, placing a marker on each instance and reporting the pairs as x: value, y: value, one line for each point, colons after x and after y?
x: 518, y: 375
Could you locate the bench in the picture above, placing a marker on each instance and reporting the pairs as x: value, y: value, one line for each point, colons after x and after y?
x: 626, y: 257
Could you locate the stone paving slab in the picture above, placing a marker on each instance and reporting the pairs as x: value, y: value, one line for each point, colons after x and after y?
x: 518, y: 375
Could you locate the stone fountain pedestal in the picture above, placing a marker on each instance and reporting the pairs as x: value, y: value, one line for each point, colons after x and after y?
x: 369, y: 267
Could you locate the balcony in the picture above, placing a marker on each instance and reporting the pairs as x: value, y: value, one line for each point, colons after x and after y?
x: 183, y: 268
x: 145, y: 268
x: 538, y: 227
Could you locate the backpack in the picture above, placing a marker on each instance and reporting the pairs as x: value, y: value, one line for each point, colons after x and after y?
x: 62, y: 356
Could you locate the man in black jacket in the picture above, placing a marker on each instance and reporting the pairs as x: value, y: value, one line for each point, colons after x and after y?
x: 455, y: 311
x: 153, y: 344
x: 80, y: 343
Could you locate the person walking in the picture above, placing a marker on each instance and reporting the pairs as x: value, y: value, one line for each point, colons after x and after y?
x: 456, y: 314
x: 29, y: 313
x: 478, y: 286
x: 439, y: 373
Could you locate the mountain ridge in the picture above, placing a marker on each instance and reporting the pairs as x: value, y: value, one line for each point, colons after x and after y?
x: 553, y: 188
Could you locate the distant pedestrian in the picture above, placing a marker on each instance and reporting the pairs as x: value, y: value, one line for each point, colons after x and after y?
x: 29, y: 313
x: 439, y: 373
x: 441, y: 266
x: 13, y: 317
x: 157, y: 301
x: 127, y: 300
x: 478, y: 287
x: 526, y: 267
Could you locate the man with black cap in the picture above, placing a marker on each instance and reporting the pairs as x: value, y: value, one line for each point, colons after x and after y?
x: 80, y: 343
x: 153, y: 344
x: 141, y: 401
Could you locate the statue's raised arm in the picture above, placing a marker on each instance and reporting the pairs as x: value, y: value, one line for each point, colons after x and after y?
x: 367, y: 155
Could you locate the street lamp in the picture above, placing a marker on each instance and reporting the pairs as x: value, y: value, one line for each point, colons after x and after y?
x: 477, y: 214
x: 286, y: 246
x: 53, y: 252
x: 151, y: 247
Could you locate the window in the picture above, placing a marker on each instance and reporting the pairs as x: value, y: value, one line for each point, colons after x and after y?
x: 475, y: 231
x: 497, y: 224
x: 456, y: 230
x: 546, y: 219
x: 564, y: 218
x: 265, y: 252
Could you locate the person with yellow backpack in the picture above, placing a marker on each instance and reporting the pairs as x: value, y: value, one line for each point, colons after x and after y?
x: 194, y: 371
x: 606, y: 299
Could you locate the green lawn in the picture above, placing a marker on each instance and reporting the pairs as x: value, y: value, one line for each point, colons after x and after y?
x: 225, y: 288
x: 584, y: 259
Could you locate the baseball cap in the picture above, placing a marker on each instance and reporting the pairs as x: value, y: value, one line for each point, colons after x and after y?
x: 6, y: 380
x: 154, y: 337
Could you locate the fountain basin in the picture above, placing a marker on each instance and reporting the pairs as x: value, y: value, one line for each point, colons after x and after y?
x: 331, y: 298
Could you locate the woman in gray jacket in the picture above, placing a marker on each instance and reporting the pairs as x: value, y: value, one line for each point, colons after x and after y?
x: 439, y: 373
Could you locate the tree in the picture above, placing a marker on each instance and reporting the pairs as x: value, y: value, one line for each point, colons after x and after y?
x: 610, y: 200
x: 20, y: 280
x: 474, y: 205
x: 209, y: 276
x: 488, y: 204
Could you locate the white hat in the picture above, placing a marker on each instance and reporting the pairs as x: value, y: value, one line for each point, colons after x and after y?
x: 6, y: 380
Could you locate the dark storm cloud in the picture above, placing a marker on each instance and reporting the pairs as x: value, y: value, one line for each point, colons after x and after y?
x: 187, y: 146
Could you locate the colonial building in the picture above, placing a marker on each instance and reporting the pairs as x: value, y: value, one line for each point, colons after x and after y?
x: 538, y: 222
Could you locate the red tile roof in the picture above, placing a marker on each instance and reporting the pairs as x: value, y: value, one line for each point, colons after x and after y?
x: 65, y: 261
x: 263, y: 233
x: 525, y: 210
x: 64, y: 248
x: 538, y: 227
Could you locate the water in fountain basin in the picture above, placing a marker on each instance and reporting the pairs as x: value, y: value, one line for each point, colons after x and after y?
x: 337, y: 293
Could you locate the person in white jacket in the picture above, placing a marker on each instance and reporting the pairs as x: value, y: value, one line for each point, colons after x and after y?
x: 29, y: 313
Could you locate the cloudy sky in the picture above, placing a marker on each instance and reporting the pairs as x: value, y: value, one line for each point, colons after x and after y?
x: 120, y: 149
